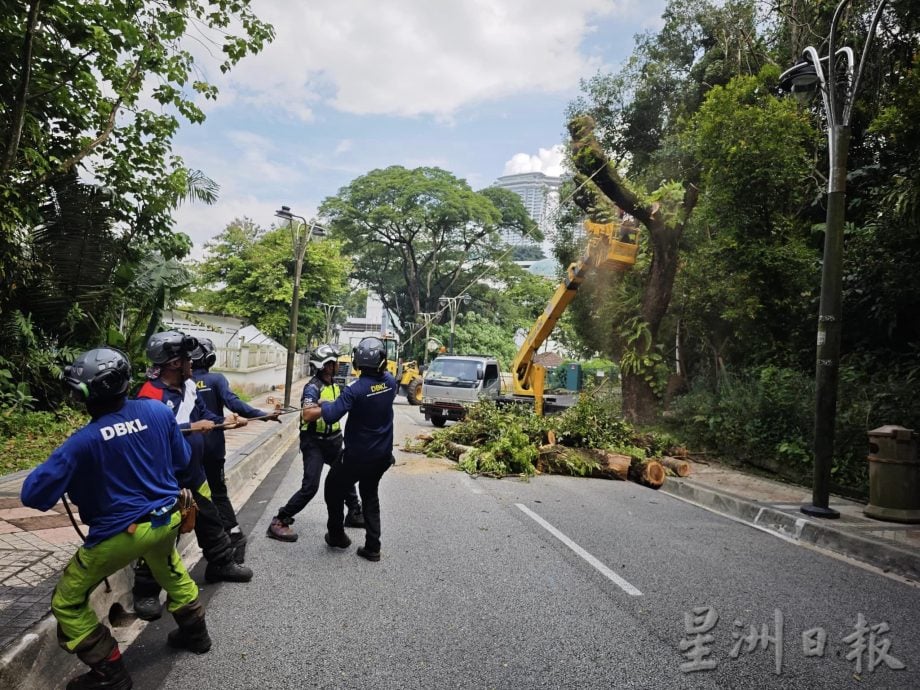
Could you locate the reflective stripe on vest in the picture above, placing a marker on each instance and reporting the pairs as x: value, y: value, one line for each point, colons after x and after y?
x: 328, y: 392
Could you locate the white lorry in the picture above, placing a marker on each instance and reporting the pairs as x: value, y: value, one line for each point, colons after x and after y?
x: 452, y: 382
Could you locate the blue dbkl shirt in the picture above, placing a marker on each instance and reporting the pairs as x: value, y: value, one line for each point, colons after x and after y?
x: 368, y: 401
x: 117, y: 469
x: 214, y: 392
x: 187, y: 407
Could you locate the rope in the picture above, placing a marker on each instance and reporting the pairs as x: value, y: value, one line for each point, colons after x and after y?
x: 73, y: 521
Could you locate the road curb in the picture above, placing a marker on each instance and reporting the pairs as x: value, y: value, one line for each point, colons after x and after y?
x: 889, y: 557
x: 35, y: 662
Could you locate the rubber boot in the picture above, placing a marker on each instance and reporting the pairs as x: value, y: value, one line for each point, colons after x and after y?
x: 110, y: 673
x: 192, y: 633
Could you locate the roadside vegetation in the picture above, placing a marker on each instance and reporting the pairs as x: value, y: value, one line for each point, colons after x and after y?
x: 711, y: 336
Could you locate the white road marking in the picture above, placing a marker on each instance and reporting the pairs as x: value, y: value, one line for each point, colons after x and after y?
x: 596, y: 564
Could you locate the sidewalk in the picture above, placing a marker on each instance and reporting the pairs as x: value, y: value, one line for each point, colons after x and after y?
x: 774, y: 506
x: 35, y: 546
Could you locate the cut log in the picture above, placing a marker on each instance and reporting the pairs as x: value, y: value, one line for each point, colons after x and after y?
x: 455, y: 450
x: 612, y: 465
x: 424, y: 437
x: 681, y: 468
x: 551, y: 437
x: 558, y: 459
x: 648, y: 473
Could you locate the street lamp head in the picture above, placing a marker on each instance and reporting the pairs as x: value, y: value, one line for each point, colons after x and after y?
x: 801, y: 77
x: 443, y: 300
x: 466, y: 298
x: 319, y: 231
x: 284, y: 212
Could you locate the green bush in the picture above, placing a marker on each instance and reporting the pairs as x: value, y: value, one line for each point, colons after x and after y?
x: 765, y: 418
x: 29, y: 437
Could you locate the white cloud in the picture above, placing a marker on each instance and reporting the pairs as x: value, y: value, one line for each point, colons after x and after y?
x: 344, y: 146
x: 549, y: 161
x: 415, y: 57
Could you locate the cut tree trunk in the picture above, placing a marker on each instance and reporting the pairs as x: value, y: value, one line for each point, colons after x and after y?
x: 612, y: 466
x: 681, y: 468
x: 648, y: 473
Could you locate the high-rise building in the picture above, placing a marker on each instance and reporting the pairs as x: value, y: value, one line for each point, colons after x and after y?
x: 540, y: 194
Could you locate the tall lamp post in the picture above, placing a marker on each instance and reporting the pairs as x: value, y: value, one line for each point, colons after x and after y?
x: 426, y: 317
x: 329, y: 310
x: 837, y: 94
x: 300, y: 236
x: 454, y: 304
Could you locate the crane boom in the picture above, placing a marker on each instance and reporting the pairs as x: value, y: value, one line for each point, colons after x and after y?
x: 610, y: 246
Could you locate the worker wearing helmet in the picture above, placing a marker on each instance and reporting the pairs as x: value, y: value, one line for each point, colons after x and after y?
x: 169, y: 380
x: 120, y: 469
x: 319, y: 443
x: 214, y: 391
x: 368, y: 453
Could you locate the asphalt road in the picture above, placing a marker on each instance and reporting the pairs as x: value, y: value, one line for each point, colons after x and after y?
x: 550, y: 583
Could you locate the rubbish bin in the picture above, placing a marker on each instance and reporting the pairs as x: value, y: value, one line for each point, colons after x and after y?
x: 573, y: 379
x: 894, y: 475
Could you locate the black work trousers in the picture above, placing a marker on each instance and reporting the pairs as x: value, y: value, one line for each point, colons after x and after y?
x: 214, y: 471
x: 342, y: 475
x: 316, y: 451
x: 212, y: 538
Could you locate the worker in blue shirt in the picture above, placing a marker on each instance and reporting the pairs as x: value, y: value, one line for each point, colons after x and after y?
x: 120, y: 470
x: 368, y: 453
x: 215, y: 394
x: 319, y: 443
x: 169, y: 380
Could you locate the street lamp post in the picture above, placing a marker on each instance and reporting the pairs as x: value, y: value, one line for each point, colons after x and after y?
x: 838, y: 105
x: 329, y: 310
x: 426, y: 318
x: 299, y: 239
x: 454, y: 304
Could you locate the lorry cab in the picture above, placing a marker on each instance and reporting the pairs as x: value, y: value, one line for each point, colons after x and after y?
x: 453, y: 382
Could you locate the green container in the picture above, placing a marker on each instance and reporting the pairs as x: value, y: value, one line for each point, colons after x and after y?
x: 894, y: 475
x: 573, y: 377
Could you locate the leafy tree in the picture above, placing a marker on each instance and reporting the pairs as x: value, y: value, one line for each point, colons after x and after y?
x: 77, y: 73
x: 249, y: 272
x: 417, y: 235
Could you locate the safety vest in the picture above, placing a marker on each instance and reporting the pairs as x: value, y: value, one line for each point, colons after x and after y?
x: 328, y: 392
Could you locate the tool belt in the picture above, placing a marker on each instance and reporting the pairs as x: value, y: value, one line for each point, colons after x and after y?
x: 185, y: 505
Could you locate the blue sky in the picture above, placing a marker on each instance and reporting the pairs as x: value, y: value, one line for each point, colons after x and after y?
x: 477, y: 87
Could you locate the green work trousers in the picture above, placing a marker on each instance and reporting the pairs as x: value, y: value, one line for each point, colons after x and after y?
x: 78, y: 626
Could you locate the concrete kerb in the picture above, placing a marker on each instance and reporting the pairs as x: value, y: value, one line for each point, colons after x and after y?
x: 36, y: 662
x: 888, y: 557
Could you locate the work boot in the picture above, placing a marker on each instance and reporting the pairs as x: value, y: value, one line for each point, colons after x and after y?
x: 231, y: 571
x: 367, y: 554
x: 354, y: 518
x: 191, y: 636
x: 110, y: 674
x: 281, y: 530
x: 340, y: 541
x: 148, y: 608
x: 238, y: 542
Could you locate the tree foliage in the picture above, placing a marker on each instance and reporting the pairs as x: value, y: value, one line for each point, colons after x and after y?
x: 249, y: 272
x: 422, y: 234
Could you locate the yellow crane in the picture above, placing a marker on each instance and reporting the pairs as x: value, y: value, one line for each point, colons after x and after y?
x: 611, y: 246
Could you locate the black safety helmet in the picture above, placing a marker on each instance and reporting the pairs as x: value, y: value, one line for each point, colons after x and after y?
x: 168, y: 345
x: 203, y: 356
x: 322, y: 354
x: 99, y: 375
x: 370, y: 354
